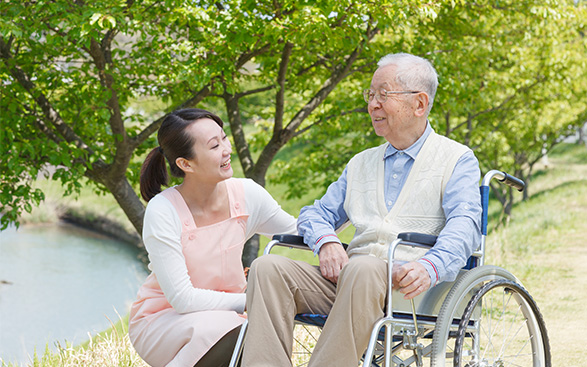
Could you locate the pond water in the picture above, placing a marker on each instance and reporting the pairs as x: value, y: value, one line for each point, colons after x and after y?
x: 57, y: 284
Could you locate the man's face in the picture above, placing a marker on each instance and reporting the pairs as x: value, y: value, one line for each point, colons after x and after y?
x: 394, y: 118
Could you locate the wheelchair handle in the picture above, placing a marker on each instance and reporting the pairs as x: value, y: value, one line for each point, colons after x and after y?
x: 505, y: 178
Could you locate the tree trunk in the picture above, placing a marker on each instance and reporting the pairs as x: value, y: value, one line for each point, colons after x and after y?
x: 129, y: 202
x: 250, y: 251
x: 125, y: 196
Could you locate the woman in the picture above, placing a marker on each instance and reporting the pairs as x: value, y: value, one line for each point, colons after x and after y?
x: 189, y: 309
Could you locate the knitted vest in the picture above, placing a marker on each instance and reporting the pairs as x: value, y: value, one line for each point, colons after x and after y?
x: 418, y: 207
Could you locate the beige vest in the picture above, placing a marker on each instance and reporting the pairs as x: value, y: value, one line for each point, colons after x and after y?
x: 419, y: 204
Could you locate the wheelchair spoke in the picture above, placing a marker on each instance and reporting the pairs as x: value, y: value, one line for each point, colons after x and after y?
x: 509, y: 329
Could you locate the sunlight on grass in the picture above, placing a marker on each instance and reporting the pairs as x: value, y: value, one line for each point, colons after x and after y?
x: 111, y: 348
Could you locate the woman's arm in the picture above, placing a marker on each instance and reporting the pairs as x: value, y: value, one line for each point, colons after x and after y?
x: 265, y: 214
x: 162, y: 238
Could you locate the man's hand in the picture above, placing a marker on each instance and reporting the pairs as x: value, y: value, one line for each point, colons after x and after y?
x: 411, y: 279
x: 332, y: 258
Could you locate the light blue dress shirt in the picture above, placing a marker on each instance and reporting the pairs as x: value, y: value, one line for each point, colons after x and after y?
x: 461, y: 203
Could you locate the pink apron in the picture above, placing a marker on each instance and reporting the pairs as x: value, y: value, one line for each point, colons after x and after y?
x: 163, y: 337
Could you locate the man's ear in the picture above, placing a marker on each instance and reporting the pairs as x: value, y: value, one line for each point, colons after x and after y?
x: 184, y: 165
x: 422, y: 101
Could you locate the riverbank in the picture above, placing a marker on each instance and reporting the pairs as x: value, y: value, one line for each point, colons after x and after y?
x: 88, y: 210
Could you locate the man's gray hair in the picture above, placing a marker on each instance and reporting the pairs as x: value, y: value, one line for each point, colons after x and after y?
x: 413, y: 73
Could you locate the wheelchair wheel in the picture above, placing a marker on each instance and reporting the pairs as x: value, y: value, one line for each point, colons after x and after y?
x: 502, y: 326
x: 464, y: 288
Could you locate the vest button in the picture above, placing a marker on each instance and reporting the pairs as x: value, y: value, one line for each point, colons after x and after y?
x: 186, y: 223
x: 237, y: 205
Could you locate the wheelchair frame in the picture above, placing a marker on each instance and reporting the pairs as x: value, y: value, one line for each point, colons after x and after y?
x: 450, y: 310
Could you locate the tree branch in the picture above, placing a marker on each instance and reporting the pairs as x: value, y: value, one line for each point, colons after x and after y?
x: 246, y: 56
x: 154, y: 126
x: 280, y: 95
x: 254, y: 91
x: 339, y: 72
x: 356, y: 110
x: 238, y: 133
x: 49, y: 113
x: 280, y: 138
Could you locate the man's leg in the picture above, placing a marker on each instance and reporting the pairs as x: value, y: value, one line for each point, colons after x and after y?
x: 277, y: 290
x: 360, y: 299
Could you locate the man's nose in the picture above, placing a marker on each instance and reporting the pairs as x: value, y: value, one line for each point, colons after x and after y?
x: 374, y: 104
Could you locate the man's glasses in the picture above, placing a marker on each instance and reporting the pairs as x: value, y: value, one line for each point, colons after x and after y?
x: 381, y: 94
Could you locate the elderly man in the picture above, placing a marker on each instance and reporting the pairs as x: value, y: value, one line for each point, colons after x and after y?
x: 418, y: 181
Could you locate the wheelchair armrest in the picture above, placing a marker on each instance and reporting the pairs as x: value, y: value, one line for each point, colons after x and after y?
x: 419, y: 238
x: 286, y: 240
x: 291, y: 241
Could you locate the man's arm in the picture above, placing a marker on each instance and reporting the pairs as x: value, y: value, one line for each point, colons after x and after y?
x: 318, y: 222
x: 459, y: 238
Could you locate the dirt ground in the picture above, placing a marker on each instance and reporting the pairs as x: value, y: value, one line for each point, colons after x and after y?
x: 563, y: 303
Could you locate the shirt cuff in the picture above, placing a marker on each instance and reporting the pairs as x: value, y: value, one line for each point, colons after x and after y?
x: 325, y: 239
x: 241, y: 300
x: 431, y: 269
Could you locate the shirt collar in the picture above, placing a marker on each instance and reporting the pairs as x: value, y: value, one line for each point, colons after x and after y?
x: 414, y: 149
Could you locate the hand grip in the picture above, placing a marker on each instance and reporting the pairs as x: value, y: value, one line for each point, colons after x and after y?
x: 514, y: 182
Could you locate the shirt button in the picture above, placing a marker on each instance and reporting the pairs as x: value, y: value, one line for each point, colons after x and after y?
x: 186, y: 223
x: 395, y: 175
x: 389, y: 203
x: 192, y: 236
x: 237, y: 205
x: 401, y: 153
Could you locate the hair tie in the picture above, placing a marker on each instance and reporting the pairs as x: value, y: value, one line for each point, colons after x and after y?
x: 160, y: 149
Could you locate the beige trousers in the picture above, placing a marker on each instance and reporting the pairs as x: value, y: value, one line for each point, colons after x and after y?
x: 279, y: 288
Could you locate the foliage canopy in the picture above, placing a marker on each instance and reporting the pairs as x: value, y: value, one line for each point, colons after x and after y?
x: 76, y: 77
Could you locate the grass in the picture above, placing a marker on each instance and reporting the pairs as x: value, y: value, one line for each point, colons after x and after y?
x: 111, y: 348
x: 535, y: 245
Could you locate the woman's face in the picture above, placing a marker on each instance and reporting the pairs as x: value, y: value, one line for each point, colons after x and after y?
x: 212, y: 150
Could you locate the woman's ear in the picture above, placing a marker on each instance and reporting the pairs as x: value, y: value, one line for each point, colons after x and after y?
x: 184, y: 165
x: 422, y: 101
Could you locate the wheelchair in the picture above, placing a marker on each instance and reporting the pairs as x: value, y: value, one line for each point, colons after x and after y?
x: 485, y: 318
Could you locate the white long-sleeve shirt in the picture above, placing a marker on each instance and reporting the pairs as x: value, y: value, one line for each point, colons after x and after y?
x: 162, y: 238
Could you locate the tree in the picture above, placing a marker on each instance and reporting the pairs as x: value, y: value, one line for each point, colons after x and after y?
x: 71, y: 70
x: 512, y: 83
x: 287, y: 73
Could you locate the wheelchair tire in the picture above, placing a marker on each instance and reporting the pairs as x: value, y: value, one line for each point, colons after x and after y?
x: 507, y: 329
x: 465, y: 286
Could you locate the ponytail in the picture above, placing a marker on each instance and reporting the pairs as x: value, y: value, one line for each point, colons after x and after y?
x: 153, y: 174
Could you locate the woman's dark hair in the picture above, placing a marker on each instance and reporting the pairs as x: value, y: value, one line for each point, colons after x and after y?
x: 174, y: 142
